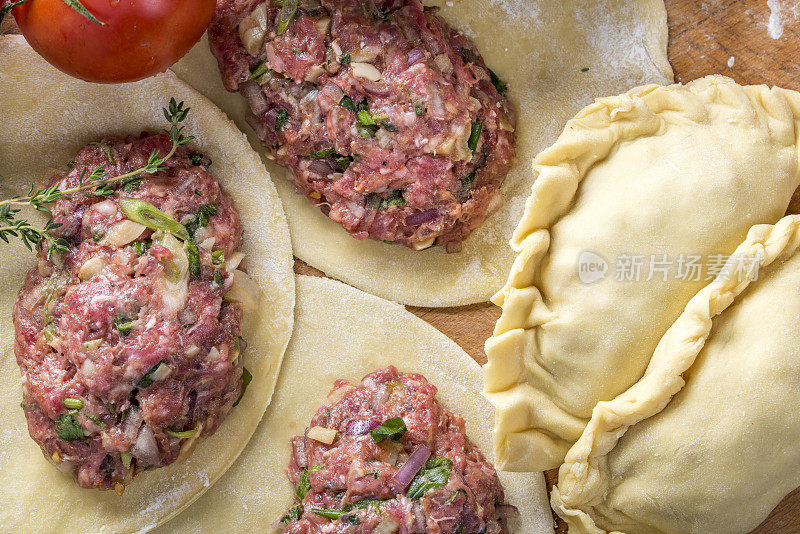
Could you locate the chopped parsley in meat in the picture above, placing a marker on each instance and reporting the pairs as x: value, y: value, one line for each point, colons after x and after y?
x: 114, y: 381
x: 386, y: 456
x: 393, y: 428
x: 365, y: 101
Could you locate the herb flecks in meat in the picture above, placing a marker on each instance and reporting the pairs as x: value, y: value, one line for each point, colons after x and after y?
x: 68, y: 427
x: 399, y: 457
x: 433, y: 475
x: 393, y: 429
x: 96, y: 184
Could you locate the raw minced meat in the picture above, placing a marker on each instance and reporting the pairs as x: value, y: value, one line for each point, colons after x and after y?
x: 387, y: 118
x: 385, y: 456
x: 127, y: 349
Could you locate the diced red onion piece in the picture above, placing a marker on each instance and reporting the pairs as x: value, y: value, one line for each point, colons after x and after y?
x: 309, y: 100
x: 421, y: 218
x: 299, y: 446
x: 436, y: 105
x: 379, y: 397
x: 406, y: 474
x: 255, y: 97
x: 507, y: 511
x: 414, y: 56
x: 132, y: 423
x: 375, y: 88
x: 66, y: 467
x: 145, y: 449
x: 258, y: 126
x: 321, y: 167
x: 333, y: 91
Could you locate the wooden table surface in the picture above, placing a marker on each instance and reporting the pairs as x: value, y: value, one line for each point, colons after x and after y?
x: 729, y: 37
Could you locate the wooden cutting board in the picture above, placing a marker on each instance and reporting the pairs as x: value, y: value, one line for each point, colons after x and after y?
x: 730, y: 37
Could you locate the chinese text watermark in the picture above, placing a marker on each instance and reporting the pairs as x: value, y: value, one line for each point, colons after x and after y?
x: 592, y: 267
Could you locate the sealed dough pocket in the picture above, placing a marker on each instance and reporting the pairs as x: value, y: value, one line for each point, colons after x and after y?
x: 706, y: 441
x: 632, y: 212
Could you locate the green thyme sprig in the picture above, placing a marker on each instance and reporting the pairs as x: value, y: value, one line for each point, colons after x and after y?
x: 74, y: 4
x: 94, y: 184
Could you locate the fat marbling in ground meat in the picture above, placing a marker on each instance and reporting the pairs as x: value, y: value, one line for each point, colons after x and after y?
x: 385, y: 456
x: 387, y: 118
x: 128, y: 350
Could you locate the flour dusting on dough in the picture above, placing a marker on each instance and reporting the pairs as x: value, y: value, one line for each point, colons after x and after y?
x: 731, y: 62
x: 612, y: 40
x: 519, y: 9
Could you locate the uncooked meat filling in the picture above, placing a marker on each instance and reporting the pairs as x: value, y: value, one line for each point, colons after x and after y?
x: 385, y: 456
x: 128, y: 341
x: 387, y: 118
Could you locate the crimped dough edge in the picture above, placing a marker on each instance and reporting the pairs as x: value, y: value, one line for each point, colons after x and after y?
x: 519, y: 441
x: 582, y: 482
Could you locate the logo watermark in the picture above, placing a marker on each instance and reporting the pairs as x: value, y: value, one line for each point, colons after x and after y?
x: 593, y: 268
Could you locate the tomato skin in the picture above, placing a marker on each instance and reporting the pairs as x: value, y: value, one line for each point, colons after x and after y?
x: 140, y: 37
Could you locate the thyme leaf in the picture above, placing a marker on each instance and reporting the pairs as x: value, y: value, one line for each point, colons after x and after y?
x: 93, y: 184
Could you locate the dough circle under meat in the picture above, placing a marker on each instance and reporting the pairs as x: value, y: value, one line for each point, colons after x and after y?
x: 360, y: 335
x: 556, y: 57
x: 47, y: 117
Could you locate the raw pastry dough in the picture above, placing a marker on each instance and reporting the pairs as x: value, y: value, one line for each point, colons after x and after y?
x: 681, y: 171
x: 342, y: 332
x: 724, y: 451
x: 46, y: 118
x: 541, y: 48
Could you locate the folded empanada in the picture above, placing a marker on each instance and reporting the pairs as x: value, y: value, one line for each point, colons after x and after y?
x: 639, y: 192
x: 721, y: 453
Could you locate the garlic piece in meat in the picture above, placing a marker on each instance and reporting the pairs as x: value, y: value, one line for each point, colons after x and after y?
x: 366, y: 71
x: 323, y: 25
x: 252, y: 30
x: 243, y: 290
x: 122, y: 233
x: 213, y: 354
x: 314, y: 73
x: 208, y: 243
x: 322, y: 434
x: 91, y: 267
x: 387, y: 526
x: 424, y: 244
x: 106, y: 208
x: 232, y: 262
x: 338, y: 394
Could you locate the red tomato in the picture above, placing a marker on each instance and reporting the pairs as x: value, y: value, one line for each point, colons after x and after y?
x: 140, y: 37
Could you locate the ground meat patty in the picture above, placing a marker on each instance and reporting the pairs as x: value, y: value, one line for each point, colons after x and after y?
x: 388, y: 119
x: 126, y: 357
x: 424, y: 475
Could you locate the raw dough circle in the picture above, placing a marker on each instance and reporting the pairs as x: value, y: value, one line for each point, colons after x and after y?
x: 46, y: 118
x: 542, y: 49
x: 342, y: 332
